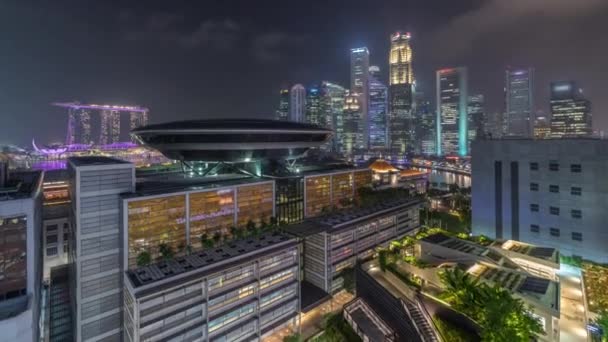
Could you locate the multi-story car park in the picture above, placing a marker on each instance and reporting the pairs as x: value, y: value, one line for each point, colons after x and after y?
x: 336, y: 241
x: 240, y: 291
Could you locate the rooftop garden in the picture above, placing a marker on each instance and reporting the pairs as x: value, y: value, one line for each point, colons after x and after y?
x: 209, y: 240
x: 490, y: 307
x: 595, y: 278
x: 336, y: 329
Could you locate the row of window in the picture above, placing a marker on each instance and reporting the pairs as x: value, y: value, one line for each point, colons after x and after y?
x: 574, y: 213
x: 554, y: 166
x: 575, y: 191
x: 576, y: 236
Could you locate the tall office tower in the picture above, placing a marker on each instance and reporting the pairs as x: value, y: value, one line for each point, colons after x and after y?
x: 96, y: 266
x: 377, y: 111
x: 570, y: 111
x: 425, y: 126
x: 452, y: 132
x: 519, y: 102
x: 332, y: 108
x: 21, y: 299
x: 297, y: 103
x: 550, y: 192
x: 542, y: 126
x: 494, y: 125
x: 282, y: 113
x: 109, y: 131
x: 138, y: 119
x: 359, y: 84
x: 476, y: 119
x: 79, y: 126
x: 401, y: 91
x: 313, y: 114
x: 352, y: 137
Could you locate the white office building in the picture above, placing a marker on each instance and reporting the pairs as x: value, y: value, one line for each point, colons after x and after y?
x: 549, y: 192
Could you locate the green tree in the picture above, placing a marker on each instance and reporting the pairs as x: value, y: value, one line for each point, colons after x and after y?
x: 143, y: 258
x: 206, y: 242
x: 348, y: 276
x: 250, y: 226
x: 166, y: 252
x: 217, y: 238
x: 234, y: 232
x: 602, y: 321
x: 292, y: 338
x: 383, y: 259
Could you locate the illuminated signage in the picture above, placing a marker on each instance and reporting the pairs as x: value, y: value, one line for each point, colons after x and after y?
x: 357, y: 50
x: 562, y: 87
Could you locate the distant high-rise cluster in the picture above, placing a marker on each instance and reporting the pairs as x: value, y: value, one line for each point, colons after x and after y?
x: 452, y: 116
x: 570, y: 111
x: 393, y: 118
x: 401, y: 128
x: 110, y: 131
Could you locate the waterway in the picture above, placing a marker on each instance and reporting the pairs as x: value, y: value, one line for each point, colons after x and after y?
x: 443, y: 179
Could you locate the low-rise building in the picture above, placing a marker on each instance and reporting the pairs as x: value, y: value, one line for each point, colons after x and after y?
x: 336, y: 241
x: 20, y: 255
x: 240, y: 291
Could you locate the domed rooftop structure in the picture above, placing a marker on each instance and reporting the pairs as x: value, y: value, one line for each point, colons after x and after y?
x: 232, y: 140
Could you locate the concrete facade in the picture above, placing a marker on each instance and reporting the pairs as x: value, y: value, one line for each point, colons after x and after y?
x: 546, y: 192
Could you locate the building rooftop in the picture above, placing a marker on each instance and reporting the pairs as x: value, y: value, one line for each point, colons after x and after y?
x: 544, y: 253
x: 21, y: 185
x: 205, y: 259
x: 337, y: 220
x: 95, y: 160
x: 231, y: 124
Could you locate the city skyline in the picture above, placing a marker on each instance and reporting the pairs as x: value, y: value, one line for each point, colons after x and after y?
x: 176, y: 48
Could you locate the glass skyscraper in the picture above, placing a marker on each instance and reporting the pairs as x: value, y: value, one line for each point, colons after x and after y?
x: 314, y: 114
x: 570, y: 111
x: 519, y: 101
x: 377, y: 111
x: 476, y: 118
x: 352, y: 137
x: 425, y: 126
x: 452, y: 118
x: 401, y: 92
x: 359, y: 84
x: 282, y: 113
x: 332, y: 107
x: 297, y: 103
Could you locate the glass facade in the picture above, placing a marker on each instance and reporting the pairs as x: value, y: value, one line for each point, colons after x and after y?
x: 452, y: 103
x: 255, y: 203
x: 318, y: 195
x: 401, y: 128
x: 352, y: 136
x: 156, y: 221
x: 342, y: 189
x: 519, y: 87
x: 289, y: 200
x: 13, y: 257
x: 378, y: 113
x: 359, y: 84
x: 570, y: 111
x: 210, y: 212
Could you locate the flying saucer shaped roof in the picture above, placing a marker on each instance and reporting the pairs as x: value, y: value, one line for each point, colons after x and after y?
x: 231, y: 140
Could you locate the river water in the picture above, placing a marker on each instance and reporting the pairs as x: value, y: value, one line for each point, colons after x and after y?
x: 443, y: 179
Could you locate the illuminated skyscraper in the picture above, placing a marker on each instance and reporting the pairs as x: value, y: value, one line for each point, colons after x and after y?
x: 425, y: 126
x: 377, y: 111
x: 452, y: 132
x: 297, y: 103
x: 359, y: 84
x: 519, y: 101
x: 352, y: 137
x: 476, y: 118
x: 79, y: 126
x: 542, y: 126
x: 282, y: 113
x: 109, y: 132
x: 332, y: 107
x: 401, y: 92
x: 107, y: 123
x: 314, y: 114
x: 570, y: 111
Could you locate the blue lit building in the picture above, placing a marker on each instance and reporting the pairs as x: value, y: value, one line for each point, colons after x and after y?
x: 377, y: 112
x: 519, y: 101
x: 452, y: 103
x: 314, y: 114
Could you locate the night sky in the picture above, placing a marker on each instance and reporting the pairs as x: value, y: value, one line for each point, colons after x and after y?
x: 204, y: 59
